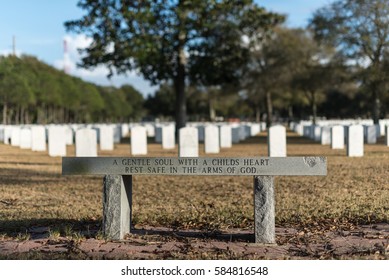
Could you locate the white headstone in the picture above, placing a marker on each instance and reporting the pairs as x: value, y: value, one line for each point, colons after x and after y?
x: 371, y: 134
x: 277, y: 141
x: 168, y: 137
x: 86, y: 142
x: 57, y: 141
x: 316, y: 133
x: 211, y: 142
x: 7, y: 135
x: 15, y: 136
x: 201, y: 131
x: 124, y: 130
x: 299, y: 129
x: 337, y: 137
x: 138, y: 140
x: 25, y: 138
x: 106, y: 138
x: 255, y: 129
x: 387, y: 135
x: 325, y: 135
x: 242, y: 133
x: 117, y: 134
x: 355, y: 141
x: 225, y: 136
x: 158, y: 134
x: 263, y: 126
x: 188, y: 142
x: 150, y: 130
x: 38, y: 138
x: 69, y: 135
x: 2, y: 133
x: 235, y: 134
x: 307, y: 131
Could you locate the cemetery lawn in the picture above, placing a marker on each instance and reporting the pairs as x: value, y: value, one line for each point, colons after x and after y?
x: 345, y: 215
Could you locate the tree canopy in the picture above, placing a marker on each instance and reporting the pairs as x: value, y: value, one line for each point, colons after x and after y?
x: 360, y: 31
x: 32, y: 91
x: 173, y: 41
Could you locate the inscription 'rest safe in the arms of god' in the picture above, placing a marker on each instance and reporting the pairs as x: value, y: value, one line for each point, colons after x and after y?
x: 190, y: 165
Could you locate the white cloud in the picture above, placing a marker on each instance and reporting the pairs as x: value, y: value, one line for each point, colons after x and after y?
x: 8, y: 52
x: 98, y: 74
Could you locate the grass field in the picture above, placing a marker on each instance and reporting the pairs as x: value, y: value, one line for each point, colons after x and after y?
x: 355, y: 192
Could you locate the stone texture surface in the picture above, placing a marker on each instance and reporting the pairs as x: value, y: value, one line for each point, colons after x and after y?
x: 117, y: 204
x: 264, y: 209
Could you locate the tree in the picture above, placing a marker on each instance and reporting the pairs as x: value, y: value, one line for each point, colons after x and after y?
x: 15, y: 92
x: 161, y: 103
x: 273, y: 65
x: 135, y: 98
x: 359, y: 29
x: 170, y: 40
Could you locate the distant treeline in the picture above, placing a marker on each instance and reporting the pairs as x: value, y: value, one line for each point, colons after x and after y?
x: 34, y: 92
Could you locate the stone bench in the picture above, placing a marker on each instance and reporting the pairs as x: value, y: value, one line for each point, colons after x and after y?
x: 118, y: 171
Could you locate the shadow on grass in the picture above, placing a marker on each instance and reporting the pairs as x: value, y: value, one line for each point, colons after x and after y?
x: 42, y: 228
x: 179, y: 234
x: 293, y: 139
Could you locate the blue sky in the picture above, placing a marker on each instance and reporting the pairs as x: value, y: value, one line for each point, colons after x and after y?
x: 39, y: 31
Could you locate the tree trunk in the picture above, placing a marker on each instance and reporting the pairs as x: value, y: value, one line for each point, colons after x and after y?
x: 257, y: 113
x: 376, y: 110
x: 22, y: 113
x: 179, y: 84
x: 212, y: 112
x: 17, y: 114
x: 269, y: 109
x: 314, y: 107
x: 5, y: 108
x: 180, y: 101
x: 290, y: 113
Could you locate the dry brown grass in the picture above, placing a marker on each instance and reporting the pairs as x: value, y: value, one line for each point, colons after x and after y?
x: 355, y: 191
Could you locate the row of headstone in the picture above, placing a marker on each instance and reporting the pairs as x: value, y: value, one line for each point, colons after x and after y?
x: 338, y: 133
x: 58, y: 137
x: 87, y: 137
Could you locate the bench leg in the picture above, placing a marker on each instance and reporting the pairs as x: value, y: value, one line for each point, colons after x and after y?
x: 264, y: 216
x: 117, y: 206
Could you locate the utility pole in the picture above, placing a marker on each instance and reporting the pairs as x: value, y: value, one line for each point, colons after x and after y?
x: 14, y: 45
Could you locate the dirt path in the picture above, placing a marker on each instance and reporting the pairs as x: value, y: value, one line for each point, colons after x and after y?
x: 370, y: 242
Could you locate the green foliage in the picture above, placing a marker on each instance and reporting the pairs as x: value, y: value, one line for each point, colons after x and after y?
x: 162, y: 103
x: 360, y: 31
x: 133, y: 97
x: 32, y: 91
x: 174, y: 41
